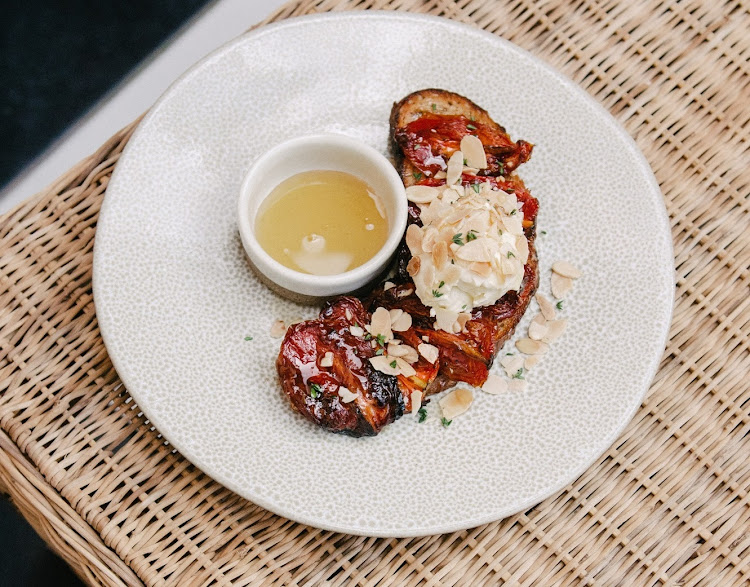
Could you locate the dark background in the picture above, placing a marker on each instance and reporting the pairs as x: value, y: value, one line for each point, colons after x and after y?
x: 57, y: 58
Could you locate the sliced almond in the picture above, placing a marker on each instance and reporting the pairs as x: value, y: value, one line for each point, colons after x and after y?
x: 566, y: 269
x: 346, y: 395
x: 404, y: 368
x: 495, y: 385
x: 511, y: 364
x: 547, y: 307
x: 456, y: 402
x: 440, y: 254
x: 413, y: 266
x: 395, y: 313
x: 531, y: 361
x: 356, y: 331
x: 421, y: 194
x: 455, y: 167
x: 428, y: 351
x: 402, y: 322
x: 327, y: 360
x: 473, y: 251
x: 380, y: 323
x: 383, y: 364
x: 414, y: 236
x: 278, y: 329
x: 531, y: 347
x: 348, y: 314
x: 483, y: 269
x: 473, y: 151
x: 555, y: 328
x: 411, y: 356
x: 405, y: 292
x: 440, y: 174
x: 538, y: 328
x: 517, y: 385
x: 416, y: 402
x: 387, y: 285
x: 560, y: 285
x: 444, y: 319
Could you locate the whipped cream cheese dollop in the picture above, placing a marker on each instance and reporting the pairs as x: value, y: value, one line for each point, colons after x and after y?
x: 469, y: 251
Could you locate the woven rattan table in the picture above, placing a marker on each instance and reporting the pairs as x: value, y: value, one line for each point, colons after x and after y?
x: 669, y: 503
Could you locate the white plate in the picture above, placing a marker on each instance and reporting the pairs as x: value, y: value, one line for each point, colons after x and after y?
x: 175, y: 298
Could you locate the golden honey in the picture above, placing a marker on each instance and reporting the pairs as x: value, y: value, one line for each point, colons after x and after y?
x: 322, y: 222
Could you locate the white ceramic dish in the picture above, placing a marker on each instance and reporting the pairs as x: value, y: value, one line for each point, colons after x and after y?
x: 309, y: 153
x: 175, y: 297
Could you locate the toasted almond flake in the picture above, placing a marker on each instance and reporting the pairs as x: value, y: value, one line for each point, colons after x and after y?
x: 383, y: 364
x: 517, y: 385
x: 402, y: 323
x: 547, y: 307
x: 413, y: 266
x: 555, y: 328
x: 386, y: 286
x: 483, y: 269
x: 560, y: 285
x: 440, y: 254
x: 278, y: 329
x: 456, y: 402
x: 356, y: 331
x: 495, y: 385
x: 428, y: 351
x: 405, y: 292
x: 396, y: 350
x: 440, y: 174
x: 380, y: 323
x: 421, y: 194
x: 473, y: 151
x: 404, y: 368
x: 395, y: 313
x: 416, y: 402
x: 403, y: 351
x: 538, y: 328
x: 346, y: 395
x: 531, y: 347
x: 511, y: 364
x: 348, y: 314
x: 411, y: 356
x: 444, y: 319
x: 474, y: 251
x: 566, y: 269
x: 425, y: 338
x: 531, y: 361
x: 455, y: 167
x: 327, y: 360
x: 414, y: 236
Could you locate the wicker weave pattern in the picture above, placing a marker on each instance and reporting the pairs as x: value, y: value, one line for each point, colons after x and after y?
x: 668, y: 504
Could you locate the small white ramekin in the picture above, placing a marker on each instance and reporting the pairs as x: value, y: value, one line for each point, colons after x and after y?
x: 320, y: 152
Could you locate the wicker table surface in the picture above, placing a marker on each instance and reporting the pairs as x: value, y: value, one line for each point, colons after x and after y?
x: 669, y: 503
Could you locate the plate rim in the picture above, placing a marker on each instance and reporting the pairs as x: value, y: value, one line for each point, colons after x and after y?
x: 605, y: 116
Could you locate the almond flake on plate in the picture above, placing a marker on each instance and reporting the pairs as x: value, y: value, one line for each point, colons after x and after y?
x: 555, y: 328
x: 456, y: 402
x: 566, y: 269
x: 416, y: 402
x: 404, y: 368
x: 421, y: 194
x: 538, y: 328
x: 547, y: 307
x: 511, y: 364
x: 346, y: 395
x: 455, y: 167
x: 356, y: 331
x: 386, y: 286
x: 531, y: 361
x: 401, y: 322
x: 531, y: 347
x: 383, y: 364
x: 473, y: 151
x: 495, y: 385
x: 278, y: 329
x: 560, y: 285
x: 517, y: 385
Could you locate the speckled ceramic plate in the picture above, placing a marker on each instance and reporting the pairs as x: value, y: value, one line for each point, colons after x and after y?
x: 176, y: 299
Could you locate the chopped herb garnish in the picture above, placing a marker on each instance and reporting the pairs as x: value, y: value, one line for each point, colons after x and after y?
x: 544, y: 232
x: 463, y: 307
x: 500, y: 168
x: 500, y: 231
x: 508, y: 354
x: 471, y: 235
x: 457, y: 239
x: 248, y: 338
x: 453, y: 262
x: 558, y: 305
x: 379, y: 352
x: 510, y: 191
x: 518, y: 374
x: 465, y: 162
x: 368, y: 336
x: 422, y: 414
x: 393, y: 363
x: 445, y: 422
x: 315, y: 391
x: 513, y: 212
x: 475, y: 187
x: 381, y: 339
x: 441, y: 284
x: 471, y: 117
x: 434, y: 107
x: 471, y: 127
x: 436, y: 293
x: 417, y: 175
x: 510, y: 254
